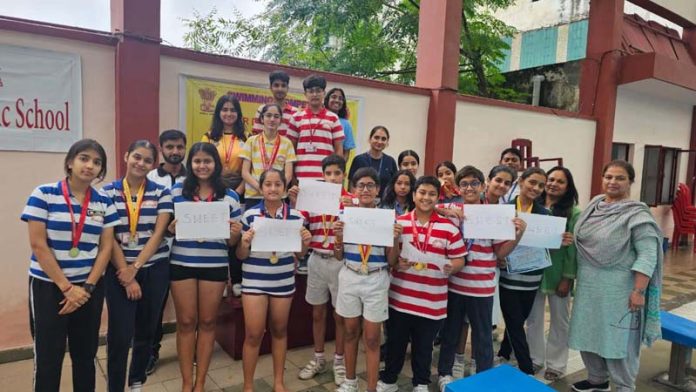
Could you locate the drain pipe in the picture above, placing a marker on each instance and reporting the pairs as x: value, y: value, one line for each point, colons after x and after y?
x: 536, y: 88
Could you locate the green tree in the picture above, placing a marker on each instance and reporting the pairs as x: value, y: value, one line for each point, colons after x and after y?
x: 368, y: 38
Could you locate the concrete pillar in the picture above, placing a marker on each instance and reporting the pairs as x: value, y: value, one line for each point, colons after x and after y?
x: 599, y: 80
x: 437, y: 69
x: 137, y: 23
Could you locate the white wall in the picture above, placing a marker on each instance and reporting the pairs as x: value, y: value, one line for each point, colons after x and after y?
x: 644, y: 120
x: 526, y: 15
x: 404, y: 114
x: 23, y: 171
x: 483, y: 131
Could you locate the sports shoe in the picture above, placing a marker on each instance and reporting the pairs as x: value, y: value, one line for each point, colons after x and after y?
x: 349, y: 386
x: 442, y: 382
x: 384, y: 387
x: 536, y: 368
x: 421, y: 388
x: 339, y: 371
x: 471, y: 369
x: 458, y: 368
x: 136, y: 387
x: 313, y: 368
x: 585, y: 386
x: 151, y: 365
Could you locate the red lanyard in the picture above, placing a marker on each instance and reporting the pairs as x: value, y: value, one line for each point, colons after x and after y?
x: 77, y: 228
x: 208, y: 199
x: 133, y: 210
x: 414, y: 229
x: 262, y: 147
x: 229, y: 148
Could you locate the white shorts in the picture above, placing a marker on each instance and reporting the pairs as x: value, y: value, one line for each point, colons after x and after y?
x: 363, y: 295
x: 322, y: 279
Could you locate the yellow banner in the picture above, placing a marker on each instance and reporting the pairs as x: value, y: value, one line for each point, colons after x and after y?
x: 202, y: 95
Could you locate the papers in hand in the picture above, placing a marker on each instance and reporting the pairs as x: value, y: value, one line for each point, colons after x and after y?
x: 543, y: 231
x: 527, y: 259
x: 319, y: 197
x: 489, y: 221
x: 276, y: 235
x: 412, y: 254
x: 368, y: 226
x: 202, y: 221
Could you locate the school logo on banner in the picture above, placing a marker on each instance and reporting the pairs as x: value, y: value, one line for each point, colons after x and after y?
x: 40, y: 99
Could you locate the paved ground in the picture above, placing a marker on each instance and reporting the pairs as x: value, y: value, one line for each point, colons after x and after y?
x: 226, y: 374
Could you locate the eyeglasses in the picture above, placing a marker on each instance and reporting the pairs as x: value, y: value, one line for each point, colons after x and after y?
x: 473, y: 184
x: 370, y: 186
x: 631, y: 327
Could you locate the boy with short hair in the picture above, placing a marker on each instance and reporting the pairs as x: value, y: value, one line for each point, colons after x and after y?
x: 279, y: 85
x: 418, y: 292
x: 322, y: 276
x: 363, y: 286
x: 471, y: 290
x: 315, y: 131
x: 512, y: 158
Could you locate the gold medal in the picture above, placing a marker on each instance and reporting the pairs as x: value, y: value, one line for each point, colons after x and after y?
x: 364, y: 269
x: 74, y: 252
x: 274, y: 258
x: 325, y: 243
x: 419, y: 266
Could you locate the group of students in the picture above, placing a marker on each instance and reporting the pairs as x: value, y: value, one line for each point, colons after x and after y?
x: 125, y: 232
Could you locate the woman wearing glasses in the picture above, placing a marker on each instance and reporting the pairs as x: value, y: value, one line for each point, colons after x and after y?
x: 617, y: 301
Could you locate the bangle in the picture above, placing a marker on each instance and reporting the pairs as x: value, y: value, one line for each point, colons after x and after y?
x: 68, y: 289
x: 639, y: 291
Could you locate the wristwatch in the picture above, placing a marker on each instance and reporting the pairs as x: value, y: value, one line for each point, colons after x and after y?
x: 88, y: 287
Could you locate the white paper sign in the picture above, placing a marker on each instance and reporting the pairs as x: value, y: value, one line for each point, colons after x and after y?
x: 412, y: 254
x: 319, y: 197
x: 276, y: 235
x: 368, y: 226
x: 526, y: 259
x: 489, y: 221
x: 543, y: 231
x: 202, y: 221
x: 40, y: 99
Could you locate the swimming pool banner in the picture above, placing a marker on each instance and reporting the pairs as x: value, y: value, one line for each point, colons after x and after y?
x: 40, y: 99
x: 201, y: 95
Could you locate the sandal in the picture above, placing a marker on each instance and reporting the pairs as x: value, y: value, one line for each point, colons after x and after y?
x: 551, y: 375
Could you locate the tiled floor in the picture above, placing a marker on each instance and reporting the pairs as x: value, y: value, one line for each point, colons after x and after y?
x: 226, y: 374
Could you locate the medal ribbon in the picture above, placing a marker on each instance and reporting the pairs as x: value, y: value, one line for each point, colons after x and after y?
x: 324, y: 228
x: 229, y: 148
x: 77, y: 228
x: 208, y: 199
x: 414, y: 230
x: 274, y: 154
x: 133, y: 209
x: 365, y: 251
x: 519, y: 206
x: 285, y: 212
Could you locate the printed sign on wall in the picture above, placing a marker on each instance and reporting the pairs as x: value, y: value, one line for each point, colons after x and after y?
x: 40, y: 99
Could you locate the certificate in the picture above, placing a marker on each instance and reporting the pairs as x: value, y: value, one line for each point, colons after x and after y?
x: 526, y: 259
x: 368, y: 226
x: 412, y: 254
x: 543, y: 231
x: 276, y: 235
x: 202, y: 221
x: 319, y: 197
x: 489, y: 221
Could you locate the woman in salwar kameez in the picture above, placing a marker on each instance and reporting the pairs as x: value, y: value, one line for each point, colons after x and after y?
x: 617, y: 300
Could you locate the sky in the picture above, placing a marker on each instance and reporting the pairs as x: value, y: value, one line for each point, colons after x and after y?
x: 94, y: 14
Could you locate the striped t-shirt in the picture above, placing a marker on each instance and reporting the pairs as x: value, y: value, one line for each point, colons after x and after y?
x: 259, y: 275
x: 314, y: 135
x: 156, y: 200
x: 376, y: 259
x: 209, y: 253
x: 424, y: 293
x: 47, y: 204
x: 477, y: 278
x: 321, y: 227
x: 252, y: 152
x: 288, y: 112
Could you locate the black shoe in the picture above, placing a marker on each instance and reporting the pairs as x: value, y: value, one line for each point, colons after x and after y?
x: 151, y: 365
x: 585, y: 386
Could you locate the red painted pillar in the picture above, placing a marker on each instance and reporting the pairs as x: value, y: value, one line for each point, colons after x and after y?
x: 689, y: 36
x: 599, y: 80
x: 437, y: 69
x: 137, y: 22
